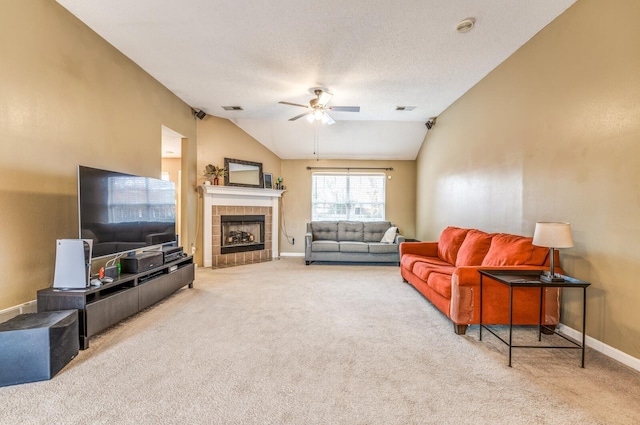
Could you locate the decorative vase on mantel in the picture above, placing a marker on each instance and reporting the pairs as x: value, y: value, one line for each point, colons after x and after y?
x: 216, y: 181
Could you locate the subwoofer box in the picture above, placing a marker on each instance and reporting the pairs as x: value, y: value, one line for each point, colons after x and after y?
x: 139, y: 263
x: 36, y: 346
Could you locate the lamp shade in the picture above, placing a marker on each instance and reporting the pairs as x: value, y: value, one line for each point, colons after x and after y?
x: 553, y: 235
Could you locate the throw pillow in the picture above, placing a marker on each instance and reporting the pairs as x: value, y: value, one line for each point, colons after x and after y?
x: 389, y: 235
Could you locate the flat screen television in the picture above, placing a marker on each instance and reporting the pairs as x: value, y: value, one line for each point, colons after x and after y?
x: 123, y: 213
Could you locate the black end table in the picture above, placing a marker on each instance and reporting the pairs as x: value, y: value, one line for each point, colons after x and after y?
x: 531, y: 279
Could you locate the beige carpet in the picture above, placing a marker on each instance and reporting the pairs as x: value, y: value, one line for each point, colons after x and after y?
x: 285, y: 343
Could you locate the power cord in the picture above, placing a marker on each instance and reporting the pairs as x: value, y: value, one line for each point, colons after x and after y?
x: 283, y: 226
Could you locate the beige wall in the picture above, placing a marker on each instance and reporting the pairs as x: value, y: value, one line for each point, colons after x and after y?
x: 67, y: 98
x: 219, y: 138
x: 553, y: 134
x: 400, y: 199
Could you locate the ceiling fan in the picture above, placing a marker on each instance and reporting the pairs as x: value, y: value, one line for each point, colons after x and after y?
x: 317, y: 107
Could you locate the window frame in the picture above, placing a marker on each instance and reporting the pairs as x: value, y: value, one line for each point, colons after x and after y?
x: 351, y: 204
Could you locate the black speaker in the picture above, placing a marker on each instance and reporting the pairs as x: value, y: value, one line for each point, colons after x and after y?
x: 37, y: 346
x: 200, y: 114
x: 141, y: 262
x: 430, y: 123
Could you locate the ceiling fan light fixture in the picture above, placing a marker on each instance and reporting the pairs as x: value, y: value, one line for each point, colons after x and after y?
x: 466, y: 25
x: 318, y: 114
x: 310, y: 118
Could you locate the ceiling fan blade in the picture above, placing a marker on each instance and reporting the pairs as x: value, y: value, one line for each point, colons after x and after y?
x: 298, y: 116
x: 324, y: 98
x: 326, y: 119
x: 294, y: 104
x: 345, y: 108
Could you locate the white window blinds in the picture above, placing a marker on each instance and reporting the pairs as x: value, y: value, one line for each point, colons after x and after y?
x: 348, y: 196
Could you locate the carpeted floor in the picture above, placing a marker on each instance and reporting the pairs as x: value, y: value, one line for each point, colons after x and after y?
x: 285, y: 343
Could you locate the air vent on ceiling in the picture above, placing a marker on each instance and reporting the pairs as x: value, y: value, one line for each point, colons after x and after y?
x: 466, y: 25
x: 232, y: 108
x: 405, y: 108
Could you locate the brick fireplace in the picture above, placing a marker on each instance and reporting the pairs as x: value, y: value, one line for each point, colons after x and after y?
x: 246, y: 253
x: 243, y: 207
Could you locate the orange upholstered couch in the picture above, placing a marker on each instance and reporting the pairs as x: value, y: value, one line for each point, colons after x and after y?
x: 446, y: 273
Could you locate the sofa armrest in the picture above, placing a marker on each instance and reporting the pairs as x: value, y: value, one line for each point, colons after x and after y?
x: 426, y: 249
x: 399, y: 239
x: 465, y: 294
x: 308, y: 238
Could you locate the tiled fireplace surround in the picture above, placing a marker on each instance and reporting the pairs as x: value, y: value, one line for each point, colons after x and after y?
x: 230, y: 200
x: 237, y: 258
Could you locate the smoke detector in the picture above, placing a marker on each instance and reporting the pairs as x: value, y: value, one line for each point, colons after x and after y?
x: 466, y: 24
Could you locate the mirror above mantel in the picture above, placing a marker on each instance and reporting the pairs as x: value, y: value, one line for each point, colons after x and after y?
x: 242, y: 173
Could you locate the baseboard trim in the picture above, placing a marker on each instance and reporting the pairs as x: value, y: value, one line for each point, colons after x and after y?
x: 11, y: 312
x: 600, y: 346
x: 292, y: 254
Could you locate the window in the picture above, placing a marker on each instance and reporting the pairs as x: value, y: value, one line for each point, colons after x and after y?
x: 348, y: 196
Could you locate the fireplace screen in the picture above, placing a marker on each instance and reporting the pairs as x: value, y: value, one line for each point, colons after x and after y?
x: 240, y: 233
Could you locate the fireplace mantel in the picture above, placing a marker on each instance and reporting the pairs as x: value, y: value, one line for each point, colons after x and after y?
x: 237, y: 196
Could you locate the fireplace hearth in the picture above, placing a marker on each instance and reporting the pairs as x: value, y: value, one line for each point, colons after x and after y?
x: 242, y: 233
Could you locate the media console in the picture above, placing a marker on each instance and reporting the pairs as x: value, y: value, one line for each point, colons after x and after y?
x: 104, y: 306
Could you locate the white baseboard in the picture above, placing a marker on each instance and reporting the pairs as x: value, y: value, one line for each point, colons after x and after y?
x: 292, y: 254
x: 11, y: 312
x: 600, y: 346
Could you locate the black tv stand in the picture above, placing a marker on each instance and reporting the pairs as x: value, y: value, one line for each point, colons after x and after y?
x: 104, y: 306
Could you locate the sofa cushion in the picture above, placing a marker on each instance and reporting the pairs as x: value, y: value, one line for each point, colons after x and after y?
x: 449, y: 243
x: 441, y: 283
x: 324, y: 230
x: 374, y: 230
x: 409, y: 261
x: 354, y: 247
x: 424, y: 270
x: 514, y: 250
x: 383, y: 248
x: 350, y: 231
x: 325, y: 246
x: 474, y: 248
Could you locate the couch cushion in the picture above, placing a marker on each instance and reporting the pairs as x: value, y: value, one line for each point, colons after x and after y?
x: 424, y: 270
x: 374, y: 230
x: 383, y: 248
x: 351, y: 231
x: 514, y: 250
x: 325, y: 246
x: 353, y: 247
x: 441, y: 283
x: 474, y: 248
x: 449, y: 243
x: 324, y: 230
x: 409, y: 261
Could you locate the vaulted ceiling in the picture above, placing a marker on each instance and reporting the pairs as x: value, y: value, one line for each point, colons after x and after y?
x: 376, y: 54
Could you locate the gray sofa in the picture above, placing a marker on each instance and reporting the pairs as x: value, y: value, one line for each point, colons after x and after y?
x: 350, y: 241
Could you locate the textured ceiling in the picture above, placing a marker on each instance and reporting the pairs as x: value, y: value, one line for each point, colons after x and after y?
x: 376, y: 54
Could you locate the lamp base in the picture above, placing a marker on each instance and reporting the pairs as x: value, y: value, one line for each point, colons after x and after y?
x: 550, y: 278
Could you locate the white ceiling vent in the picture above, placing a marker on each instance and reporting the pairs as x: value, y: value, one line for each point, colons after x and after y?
x: 466, y: 25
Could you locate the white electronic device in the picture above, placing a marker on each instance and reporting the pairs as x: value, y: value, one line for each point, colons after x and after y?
x: 73, y: 263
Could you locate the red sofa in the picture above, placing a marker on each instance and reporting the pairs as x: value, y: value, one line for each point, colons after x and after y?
x: 446, y: 273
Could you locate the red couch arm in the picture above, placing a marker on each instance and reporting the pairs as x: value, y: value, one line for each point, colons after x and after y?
x: 465, y: 298
x: 426, y: 249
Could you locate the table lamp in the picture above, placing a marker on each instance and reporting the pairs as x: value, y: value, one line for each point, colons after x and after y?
x: 552, y: 235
